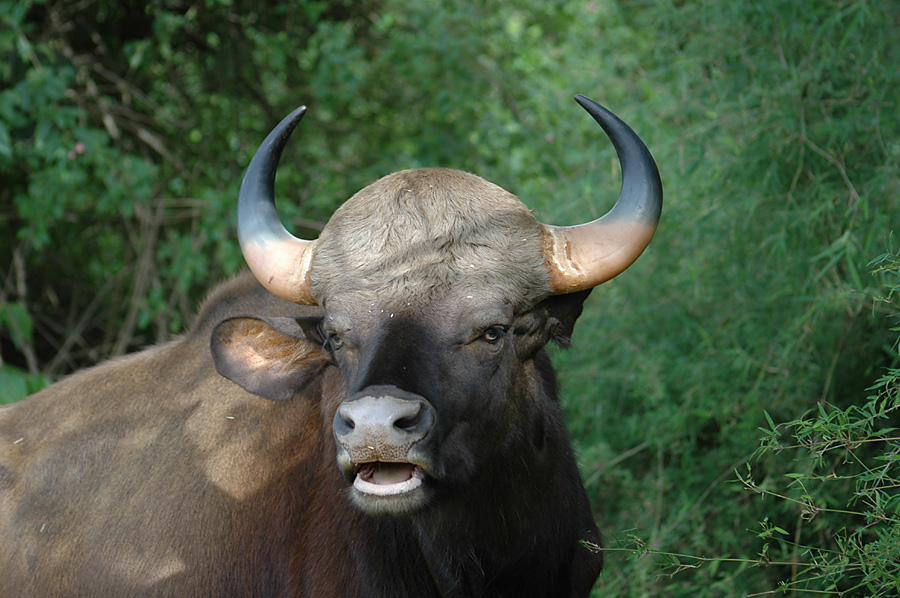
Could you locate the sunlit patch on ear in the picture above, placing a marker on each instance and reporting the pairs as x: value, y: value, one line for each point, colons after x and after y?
x: 258, y: 344
x: 271, y: 358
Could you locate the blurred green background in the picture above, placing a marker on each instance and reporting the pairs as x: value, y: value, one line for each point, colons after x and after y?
x: 733, y: 395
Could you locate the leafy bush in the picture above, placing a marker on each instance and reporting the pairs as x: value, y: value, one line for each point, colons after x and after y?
x: 753, y: 299
x: 836, y: 471
x: 124, y: 130
x: 845, y: 484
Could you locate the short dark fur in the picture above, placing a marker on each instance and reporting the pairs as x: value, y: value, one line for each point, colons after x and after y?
x: 153, y: 475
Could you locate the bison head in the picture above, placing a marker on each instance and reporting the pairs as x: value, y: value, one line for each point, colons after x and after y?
x: 438, y: 292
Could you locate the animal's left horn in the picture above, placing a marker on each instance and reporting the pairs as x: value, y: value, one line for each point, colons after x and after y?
x: 278, y: 259
x: 582, y: 256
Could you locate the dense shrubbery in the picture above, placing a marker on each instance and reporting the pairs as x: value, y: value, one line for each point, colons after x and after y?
x: 844, y: 485
x: 733, y: 394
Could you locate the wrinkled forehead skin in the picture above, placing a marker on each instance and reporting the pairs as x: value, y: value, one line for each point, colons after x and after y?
x: 432, y: 235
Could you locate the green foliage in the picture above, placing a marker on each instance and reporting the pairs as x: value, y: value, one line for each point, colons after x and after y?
x: 15, y: 383
x: 125, y: 129
x: 843, y: 487
x: 782, y: 184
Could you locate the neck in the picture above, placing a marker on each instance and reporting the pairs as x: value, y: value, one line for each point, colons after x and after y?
x: 497, y: 541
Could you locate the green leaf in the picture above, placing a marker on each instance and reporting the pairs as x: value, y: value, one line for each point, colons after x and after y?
x: 18, y: 321
x: 5, y: 142
x: 13, y: 384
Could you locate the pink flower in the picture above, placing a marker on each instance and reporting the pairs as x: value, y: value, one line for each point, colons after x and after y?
x: 79, y: 148
x: 71, y: 154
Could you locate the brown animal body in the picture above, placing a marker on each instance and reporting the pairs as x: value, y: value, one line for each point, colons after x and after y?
x: 412, y: 444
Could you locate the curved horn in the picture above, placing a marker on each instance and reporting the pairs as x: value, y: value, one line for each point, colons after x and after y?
x: 582, y: 256
x: 278, y: 259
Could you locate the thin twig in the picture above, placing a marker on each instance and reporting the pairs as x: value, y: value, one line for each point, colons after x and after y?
x: 839, y: 164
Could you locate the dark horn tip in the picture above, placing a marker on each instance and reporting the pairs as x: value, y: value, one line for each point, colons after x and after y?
x: 605, y: 118
x: 287, y: 125
x: 257, y: 217
x: 261, y: 171
x: 641, y: 185
x: 595, y: 109
x: 584, y: 100
x: 296, y: 115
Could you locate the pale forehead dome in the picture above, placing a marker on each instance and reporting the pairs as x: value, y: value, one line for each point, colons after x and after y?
x: 418, y: 230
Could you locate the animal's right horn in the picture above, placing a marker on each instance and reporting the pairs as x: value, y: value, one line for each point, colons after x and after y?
x: 581, y: 257
x: 278, y: 259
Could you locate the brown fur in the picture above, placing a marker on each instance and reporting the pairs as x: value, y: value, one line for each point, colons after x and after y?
x: 136, y: 477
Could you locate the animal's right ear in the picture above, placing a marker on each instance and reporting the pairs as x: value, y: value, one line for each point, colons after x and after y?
x: 270, y: 357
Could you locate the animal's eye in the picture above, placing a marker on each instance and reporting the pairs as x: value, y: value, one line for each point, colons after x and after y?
x: 333, y: 342
x: 493, y: 334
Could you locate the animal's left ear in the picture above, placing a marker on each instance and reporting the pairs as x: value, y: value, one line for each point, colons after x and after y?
x: 552, y: 319
x: 562, y: 312
x: 270, y: 357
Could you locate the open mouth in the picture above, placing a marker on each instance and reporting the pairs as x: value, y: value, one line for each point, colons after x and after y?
x: 388, y: 479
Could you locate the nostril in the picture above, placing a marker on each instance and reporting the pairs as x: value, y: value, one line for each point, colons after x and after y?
x: 343, y: 422
x: 418, y: 422
x: 409, y: 422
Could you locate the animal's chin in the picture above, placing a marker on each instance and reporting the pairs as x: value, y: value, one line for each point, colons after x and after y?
x: 389, y: 488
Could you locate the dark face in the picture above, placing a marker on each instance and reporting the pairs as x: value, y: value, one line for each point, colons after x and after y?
x: 441, y: 396
x: 434, y: 391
